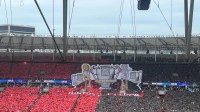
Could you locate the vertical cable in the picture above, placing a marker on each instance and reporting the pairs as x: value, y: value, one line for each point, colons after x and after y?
x: 69, y: 11
x: 168, y: 24
x: 171, y: 13
x: 132, y: 17
x: 6, y: 11
x: 120, y: 16
x: 53, y: 16
x: 135, y: 39
x: 71, y: 16
x: 11, y: 12
x: 54, y: 26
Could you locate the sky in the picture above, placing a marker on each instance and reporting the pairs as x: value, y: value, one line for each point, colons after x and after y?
x: 100, y: 17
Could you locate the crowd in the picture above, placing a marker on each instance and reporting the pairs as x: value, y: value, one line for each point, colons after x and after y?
x: 182, y: 101
x: 151, y: 72
x: 149, y: 103
x: 173, y: 101
x: 96, y: 100
x: 57, y: 99
x: 38, y: 71
x: 15, y: 99
x: 168, y: 72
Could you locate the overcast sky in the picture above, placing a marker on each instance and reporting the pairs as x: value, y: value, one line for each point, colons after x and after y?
x: 101, y: 17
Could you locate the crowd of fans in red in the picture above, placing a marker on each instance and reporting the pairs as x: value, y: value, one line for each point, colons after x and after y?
x: 57, y: 99
x: 17, y: 99
x: 151, y: 72
x: 22, y: 99
x: 38, y: 70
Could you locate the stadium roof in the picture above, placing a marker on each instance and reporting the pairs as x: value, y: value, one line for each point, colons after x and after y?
x: 99, y: 43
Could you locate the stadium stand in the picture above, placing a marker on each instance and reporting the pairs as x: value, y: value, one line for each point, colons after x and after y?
x: 57, y: 99
x: 88, y: 102
x: 179, y: 101
x: 19, y: 70
x: 151, y: 71
x: 15, y: 99
x: 4, y: 69
x: 97, y: 100
x: 38, y: 70
x: 182, y: 101
x: 4, y: 57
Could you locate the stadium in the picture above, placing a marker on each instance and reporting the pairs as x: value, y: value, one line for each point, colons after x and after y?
x: 98, y: 73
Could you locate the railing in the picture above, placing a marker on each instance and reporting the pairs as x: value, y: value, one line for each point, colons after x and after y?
x: 111, y: 35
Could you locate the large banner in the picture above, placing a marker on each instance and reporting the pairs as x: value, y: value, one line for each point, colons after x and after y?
x: 106, y: 74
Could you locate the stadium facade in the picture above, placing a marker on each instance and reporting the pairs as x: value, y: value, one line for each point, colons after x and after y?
x: 112, y: 48
x: 16, y: 30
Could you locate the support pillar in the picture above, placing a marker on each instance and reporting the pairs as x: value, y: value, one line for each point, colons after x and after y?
x: 114, y: 51
x: 186, y: 25
x: 135, y: 50
x: 155, y: 55
x: 199, y: 52
x: 65, y: 4
x: 190, y: 28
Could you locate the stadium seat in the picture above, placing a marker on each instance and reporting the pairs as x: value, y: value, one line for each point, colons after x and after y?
x: 57, y: 100
x: 18, y: 98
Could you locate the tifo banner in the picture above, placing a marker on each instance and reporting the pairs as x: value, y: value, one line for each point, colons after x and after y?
x: 106, y: 74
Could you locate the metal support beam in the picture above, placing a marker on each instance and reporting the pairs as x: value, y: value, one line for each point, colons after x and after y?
x: 135, y: 49
x: 1, y: 38
x: 190, y: 28
x: 32, y: 48
x: 155, y: 50
x: 105, y: 45
x: 9, y: 42
x: 10, y: 46
x: 164, y: 43
x: 65, y: 4
x: 75, y: 42
x: 85, y: 44
x: 94, y: 48
x: 125, y: 43
x: 42, y: 42
x: 21, y: 42
x: 186, y: 24
x: 176, y: 50
x: 49, y: 29
x: 199, y: 52
x: 114, y: 51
